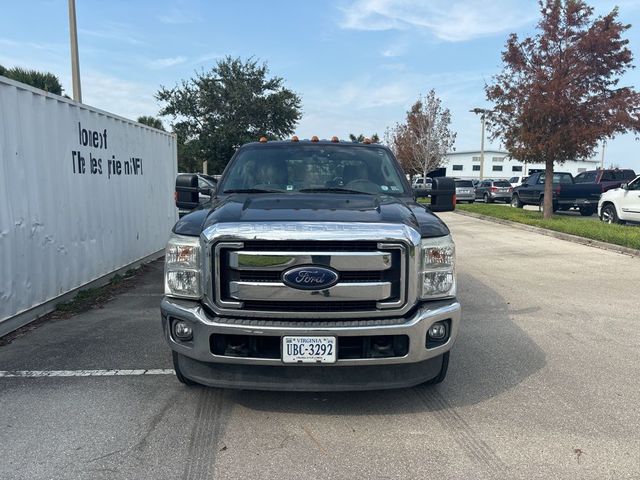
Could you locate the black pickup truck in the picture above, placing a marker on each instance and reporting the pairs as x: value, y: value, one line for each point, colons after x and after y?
x: 313, y: 267
x: 566, y: 193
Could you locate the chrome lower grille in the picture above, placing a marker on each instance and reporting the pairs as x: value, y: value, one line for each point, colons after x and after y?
x: 248, y: 276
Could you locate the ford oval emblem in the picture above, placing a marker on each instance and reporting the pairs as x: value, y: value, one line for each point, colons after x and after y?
x: 310, y: 278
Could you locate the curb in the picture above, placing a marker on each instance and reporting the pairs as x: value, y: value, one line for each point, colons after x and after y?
x: 552, y: 233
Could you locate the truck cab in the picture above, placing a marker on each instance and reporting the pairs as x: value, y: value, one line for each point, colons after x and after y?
x: 566, y: 193
x: 313, y: 267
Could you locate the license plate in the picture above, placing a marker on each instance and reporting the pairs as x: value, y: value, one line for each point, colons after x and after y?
x: 309, y: 349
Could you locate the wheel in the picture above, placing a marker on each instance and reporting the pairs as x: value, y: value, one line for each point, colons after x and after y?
x: 586, y: 211
x: 487, y: 199
x: 609, y: 214
x: 515, y: 201
x: 181, y: 378
x: 443, y: 370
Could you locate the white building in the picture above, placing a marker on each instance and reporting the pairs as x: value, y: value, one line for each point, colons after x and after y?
x: 497, y: 164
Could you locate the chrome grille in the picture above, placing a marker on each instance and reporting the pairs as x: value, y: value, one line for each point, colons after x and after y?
x: 248, y: 276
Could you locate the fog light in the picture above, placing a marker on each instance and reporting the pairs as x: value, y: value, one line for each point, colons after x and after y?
x: 437, y: 331
x: 182, y: 331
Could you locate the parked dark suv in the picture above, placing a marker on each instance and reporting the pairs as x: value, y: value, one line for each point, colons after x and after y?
x: 492, y: 190
x: 607, y: 179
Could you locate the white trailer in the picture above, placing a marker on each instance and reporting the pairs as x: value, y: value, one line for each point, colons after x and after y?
x: 83, y: 195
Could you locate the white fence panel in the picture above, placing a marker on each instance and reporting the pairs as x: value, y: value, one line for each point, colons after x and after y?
x: 83, y: 193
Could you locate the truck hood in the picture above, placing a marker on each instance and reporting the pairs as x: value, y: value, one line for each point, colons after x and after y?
x: 312, y: 207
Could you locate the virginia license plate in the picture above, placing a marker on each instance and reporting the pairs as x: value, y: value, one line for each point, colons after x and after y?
x: 309, y: 349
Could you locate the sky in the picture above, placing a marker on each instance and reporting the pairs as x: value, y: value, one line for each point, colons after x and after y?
x: 357, y: 64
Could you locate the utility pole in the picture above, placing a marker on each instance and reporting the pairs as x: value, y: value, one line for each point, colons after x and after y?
x: 483, y: 113
x: 604, y: 144
x: 75, y: 60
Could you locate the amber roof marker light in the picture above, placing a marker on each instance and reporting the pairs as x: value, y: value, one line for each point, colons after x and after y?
x: 295, y: 138
x: 315, y: 138
x: 335, y: 139
x: 263, y: 139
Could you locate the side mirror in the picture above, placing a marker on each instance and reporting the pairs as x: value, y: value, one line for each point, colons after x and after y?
x: 187, y: 192
x: 208, y: 191
x: 624, y: 186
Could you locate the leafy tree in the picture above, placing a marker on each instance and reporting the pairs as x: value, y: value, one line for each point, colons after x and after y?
x: 360, y: 138
x: 151, y: 122
x: 42, y: 80
x: 235, y: 102
x: 189, y: 155
x: 558, y: 93
x: 423, y: 141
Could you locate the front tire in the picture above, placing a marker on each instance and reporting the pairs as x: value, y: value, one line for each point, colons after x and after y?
x: 442, y: 374
x: 586, y: 211
x: 487, y: 199
x: 610, y: 215
x: 516, y: 202
x: 181, y: 378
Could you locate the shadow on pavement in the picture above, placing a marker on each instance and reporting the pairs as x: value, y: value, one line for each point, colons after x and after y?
x: 492, y: 355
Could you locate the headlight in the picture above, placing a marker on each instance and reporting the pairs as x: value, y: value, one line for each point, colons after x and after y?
x: 182, y: 275
x: 437, y: 276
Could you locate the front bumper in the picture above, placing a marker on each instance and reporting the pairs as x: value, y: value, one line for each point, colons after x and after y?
x: 465, y: 196
x: 501, y: 196
x: 577, y: 203
x: 420, y: 364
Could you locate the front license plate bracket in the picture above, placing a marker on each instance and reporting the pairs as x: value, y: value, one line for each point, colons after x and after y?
x: 309, y: 349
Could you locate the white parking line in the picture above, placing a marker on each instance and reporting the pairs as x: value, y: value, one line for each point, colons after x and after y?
x: 82, y: 373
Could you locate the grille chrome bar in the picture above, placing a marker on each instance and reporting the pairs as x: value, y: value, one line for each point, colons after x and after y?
x: 223, y: 239
x: 277, y: 291
x: 278, y: 261
x: 402, y: 277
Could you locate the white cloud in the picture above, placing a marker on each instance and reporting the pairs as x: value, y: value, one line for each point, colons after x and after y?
x: 117, y: 31
x: 167, y: 62
x: 396, y: 48
x: 206, y: 58
x: 122, y: 97
x: 449, y: 20
x: 176, y: 16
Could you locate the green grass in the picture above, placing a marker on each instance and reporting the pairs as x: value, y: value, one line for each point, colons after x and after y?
x: 626, y: 236
x: 91, y: 297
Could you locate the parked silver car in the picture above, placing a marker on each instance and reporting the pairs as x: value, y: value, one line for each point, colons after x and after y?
x: 494, y: 190
x: 465, y: 191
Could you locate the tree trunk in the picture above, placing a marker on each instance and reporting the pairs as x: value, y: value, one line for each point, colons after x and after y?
x: 548, y: 189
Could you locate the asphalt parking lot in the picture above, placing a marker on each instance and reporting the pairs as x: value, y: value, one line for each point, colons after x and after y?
x: 543, y: 383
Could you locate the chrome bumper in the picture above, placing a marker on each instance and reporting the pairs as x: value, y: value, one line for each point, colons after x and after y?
x: 415, y: 326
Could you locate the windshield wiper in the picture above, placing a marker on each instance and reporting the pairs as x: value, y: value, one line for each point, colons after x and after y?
x: 332, y: 190
x: 251, y: 190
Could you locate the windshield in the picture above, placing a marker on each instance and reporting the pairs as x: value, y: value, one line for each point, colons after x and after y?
x: 558, y: 178
x: 464, y: 183
x: 295, y: 168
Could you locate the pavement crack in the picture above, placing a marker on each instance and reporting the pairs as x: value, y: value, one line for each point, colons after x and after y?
x: 314, y: 440
x: 107, y: 455
x: 155, y: 421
